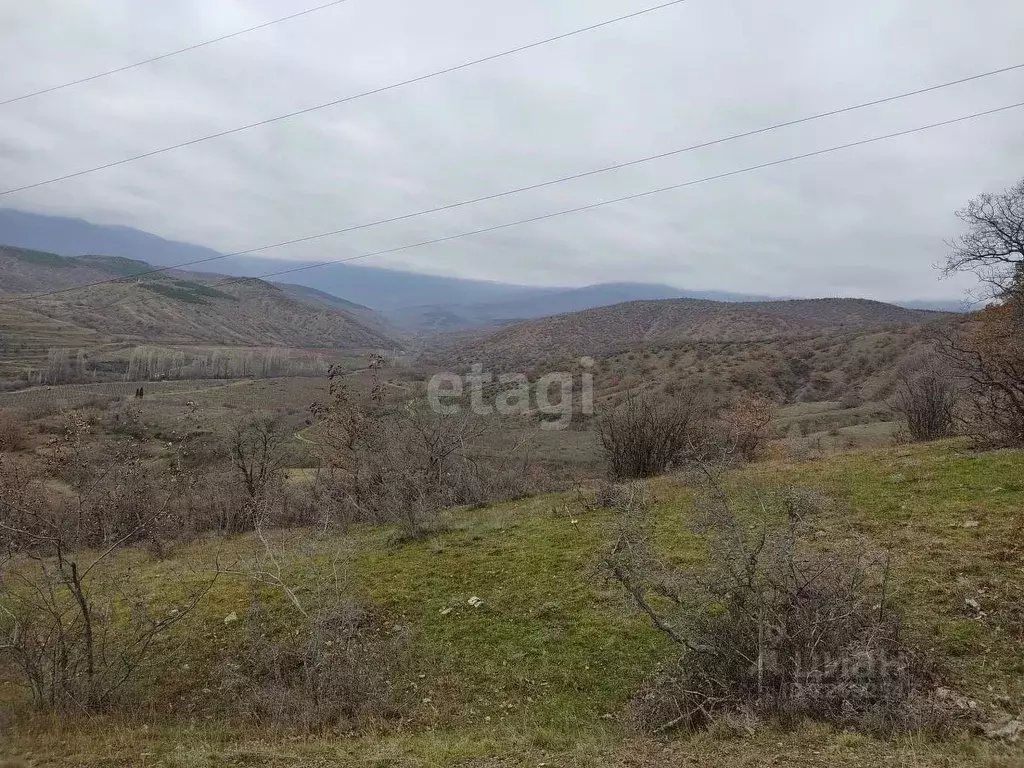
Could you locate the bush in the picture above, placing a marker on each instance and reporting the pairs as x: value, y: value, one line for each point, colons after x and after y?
x: 319, y: 662
x: 987, y: 354
x: 773, y: 627
x: 623, y: 497
x: 926, y: 402
x: 747, y: 422
x: 335, y: 669
x: 404, y: 466
x: 75, y: 629
x: 645, y: 436
x: 12, y: 432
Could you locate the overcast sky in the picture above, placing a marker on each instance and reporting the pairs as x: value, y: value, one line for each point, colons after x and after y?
x: 870, y: 221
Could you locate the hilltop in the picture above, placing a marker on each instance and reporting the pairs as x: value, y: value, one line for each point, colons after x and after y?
x: 669, y: 322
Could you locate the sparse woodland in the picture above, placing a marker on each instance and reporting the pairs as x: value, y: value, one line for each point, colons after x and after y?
x: 737, y: 543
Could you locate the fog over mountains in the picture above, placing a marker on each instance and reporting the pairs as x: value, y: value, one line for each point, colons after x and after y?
x: 413, y: 301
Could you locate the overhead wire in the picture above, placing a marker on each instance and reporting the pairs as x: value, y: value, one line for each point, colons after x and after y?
x: 343, y: 100
x: 169, y: 54
x: 547, y: 183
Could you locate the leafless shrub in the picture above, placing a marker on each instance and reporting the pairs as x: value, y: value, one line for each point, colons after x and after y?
x: 337, y: 665
x: 773, y: 627
x: 644, y: 436
x: 747, y: 424
x: 405, y: 465
x: 804, y: 504
x: 75, y: 625
x: 336, y: 669
x: 987, y: 355
x: 851, y: 399
x: 109, y: 494
x: 76, y: 629
x: 927, y: 402
x: 12, y: 432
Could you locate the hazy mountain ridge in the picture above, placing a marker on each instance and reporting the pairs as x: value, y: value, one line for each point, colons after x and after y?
x: 378, y: 288
x: 415, y: 302
x: 669, y: 321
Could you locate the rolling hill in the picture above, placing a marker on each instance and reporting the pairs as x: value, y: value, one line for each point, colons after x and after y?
x: 460, y: 317
x: 605, y: 330
x: 28, y: 271
x: 417, y: 303
x: 172, y: 308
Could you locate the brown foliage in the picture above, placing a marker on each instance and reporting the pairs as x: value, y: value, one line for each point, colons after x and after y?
x: 927, y: 402
x: 12, y: 432
x: 988, y: 354
x: 645, y: 435
x: 772, y: 626
x: 747, y: 424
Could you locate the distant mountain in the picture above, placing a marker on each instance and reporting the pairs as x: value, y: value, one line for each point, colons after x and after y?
x: 76, y: 237
x: 948, y: 305
x: 367, y: 316
x: 461, y: 317
x: 669, y: 321
x: 417, y: 303
x: 380, y: 289
x: 174, y: 307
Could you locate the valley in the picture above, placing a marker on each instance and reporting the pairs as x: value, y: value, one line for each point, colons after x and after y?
x: 301, y: 558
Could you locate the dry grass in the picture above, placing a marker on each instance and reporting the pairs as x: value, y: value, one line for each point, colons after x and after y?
x: 528, y: 677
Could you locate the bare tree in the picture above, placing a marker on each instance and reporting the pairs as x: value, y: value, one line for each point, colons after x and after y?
x: 993, y: 246
x: 988, y: 350
x: 258, y: 452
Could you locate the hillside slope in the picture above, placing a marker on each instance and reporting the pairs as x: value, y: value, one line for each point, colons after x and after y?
x: 23, y: 270
x: 542, y: 672
x: 672, y: 321
x: 172, y: 309
x: 368, y: 317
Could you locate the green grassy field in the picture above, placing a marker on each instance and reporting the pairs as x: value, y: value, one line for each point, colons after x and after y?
x: 539, y: 674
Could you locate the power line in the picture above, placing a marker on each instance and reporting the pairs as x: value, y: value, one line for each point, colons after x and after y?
x: 344, y: 100
x: 169, y: 54
x: 637, y: 196
x: 551, y: 182
x: 579, y: 209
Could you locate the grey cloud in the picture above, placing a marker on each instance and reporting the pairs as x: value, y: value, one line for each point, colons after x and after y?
x: 869, y: 221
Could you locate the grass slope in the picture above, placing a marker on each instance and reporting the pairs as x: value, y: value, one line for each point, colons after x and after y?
x: 539, y: 674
